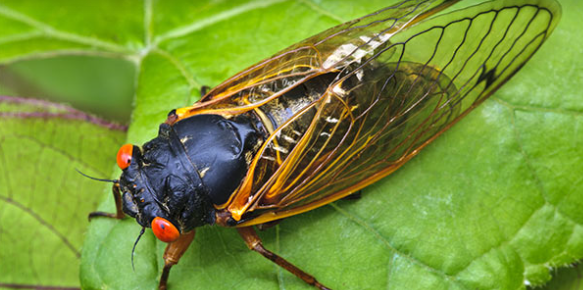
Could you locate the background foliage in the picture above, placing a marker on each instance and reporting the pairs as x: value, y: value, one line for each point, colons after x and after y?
x: 492, y: 204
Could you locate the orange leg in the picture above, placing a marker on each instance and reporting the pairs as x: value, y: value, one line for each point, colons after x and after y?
x: 118, y: 206
x: 254, y: 243
x: 172, y: 255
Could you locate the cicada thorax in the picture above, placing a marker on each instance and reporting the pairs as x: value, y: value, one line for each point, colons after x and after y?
x: 219, y: 149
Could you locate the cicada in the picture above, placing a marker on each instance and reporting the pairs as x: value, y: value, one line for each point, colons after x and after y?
x: 323, y: 119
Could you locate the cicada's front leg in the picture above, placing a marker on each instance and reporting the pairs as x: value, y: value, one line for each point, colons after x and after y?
x: 172, y: 255
x: 119, y: 214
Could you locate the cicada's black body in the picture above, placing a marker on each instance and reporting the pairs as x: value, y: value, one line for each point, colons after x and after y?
x: 191, y: 166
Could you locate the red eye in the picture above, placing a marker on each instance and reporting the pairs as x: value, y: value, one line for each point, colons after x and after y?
x: 124, y: 156
x: 164, y: 230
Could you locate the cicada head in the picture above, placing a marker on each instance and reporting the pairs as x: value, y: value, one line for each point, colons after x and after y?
x: 158, y: 193
x: 172, y: 182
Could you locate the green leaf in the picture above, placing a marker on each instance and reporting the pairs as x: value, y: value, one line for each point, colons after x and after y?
x: 492, y: 204
x: 43, y: 201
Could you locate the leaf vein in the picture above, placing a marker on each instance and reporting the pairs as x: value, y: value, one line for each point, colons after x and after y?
x: 148, y: 22
x: 385, y: 241
x: 46, y: 224
x: 181, y: 67
x: 200, y: 24
x: 58, y: 34
x: 537, y: 109
x: 69, y: 52
x: 322, y: 11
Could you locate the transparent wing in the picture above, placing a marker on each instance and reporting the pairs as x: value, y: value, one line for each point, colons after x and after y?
x: 385, y: 101
x: 328, y: 51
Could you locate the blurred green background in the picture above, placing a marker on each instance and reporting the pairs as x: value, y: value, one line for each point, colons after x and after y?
x: 97, y: 85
